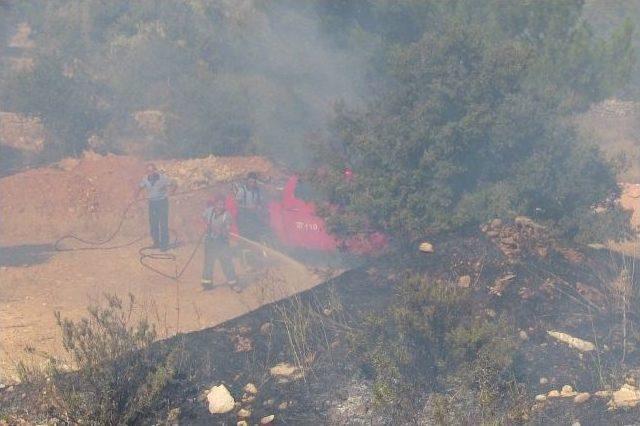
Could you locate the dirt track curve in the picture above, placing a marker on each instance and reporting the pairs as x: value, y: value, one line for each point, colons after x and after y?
x: 40, y: 205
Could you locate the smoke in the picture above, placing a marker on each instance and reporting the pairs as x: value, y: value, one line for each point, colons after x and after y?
x: 292, y: 75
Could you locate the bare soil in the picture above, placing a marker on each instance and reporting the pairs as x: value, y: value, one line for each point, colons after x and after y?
x: 87, y: 197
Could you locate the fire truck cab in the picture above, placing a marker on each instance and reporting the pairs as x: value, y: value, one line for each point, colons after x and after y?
x: 294, y: 222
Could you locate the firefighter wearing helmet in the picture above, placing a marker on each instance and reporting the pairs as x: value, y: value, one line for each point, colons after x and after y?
x: 218, y: 222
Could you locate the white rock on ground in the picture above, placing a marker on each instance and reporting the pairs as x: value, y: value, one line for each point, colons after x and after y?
x: 267, y: 419
x: 541, y: 398
x: 574, y: 342
x: 243, y: 413
x: 220, y: 400
x: 251, y: 388
x: 286, y: 370
x: 567, y: 391
x: 242, y: 423
x: 426, y: 247
x: 627, y: 396
x: 582, y: 397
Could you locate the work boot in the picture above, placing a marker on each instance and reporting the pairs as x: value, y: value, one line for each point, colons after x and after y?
x: 207, y: 285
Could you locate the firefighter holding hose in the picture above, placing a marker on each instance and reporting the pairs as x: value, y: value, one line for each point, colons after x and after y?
x: 158, y: 187
x: 218, y: 224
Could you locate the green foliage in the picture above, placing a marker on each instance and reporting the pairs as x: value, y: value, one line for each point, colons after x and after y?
x: 429, y: 336
x: 64, y: 100
x: 471, y: 124
x: 119, y: 378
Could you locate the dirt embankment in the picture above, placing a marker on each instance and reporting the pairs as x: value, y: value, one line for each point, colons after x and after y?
x: 88, y: 196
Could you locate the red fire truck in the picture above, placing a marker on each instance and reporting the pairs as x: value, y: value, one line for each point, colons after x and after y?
x: 295, y: 223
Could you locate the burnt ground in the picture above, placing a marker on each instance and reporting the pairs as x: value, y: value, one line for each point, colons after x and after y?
x: 544, y: 295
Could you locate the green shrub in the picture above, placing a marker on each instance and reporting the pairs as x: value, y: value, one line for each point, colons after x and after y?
x: 429, y: 337
x: 120, y: 378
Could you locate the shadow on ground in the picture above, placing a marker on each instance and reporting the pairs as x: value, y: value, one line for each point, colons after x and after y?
x: 25, y: 255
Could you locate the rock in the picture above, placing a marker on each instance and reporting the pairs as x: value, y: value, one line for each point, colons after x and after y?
x: 567, y: 391
x: 266, y: 328
x: 526, y: 222
x: 267, y: 420
x: 242, y: 423
x: 250, y: 388
x: 173, y: 417
x: 500, y: 285
x: 286, y: 370
x: 576, y: 424
x: 244, y: 413
x: 495, y: 223
x: 523, y: 335
x: 582, y: 397
x: 464, y: 281
x: 604, y: 394
x: 220, y: 400
x: 574, y: 342
x: 283, y: 405
x: 242, y: 343
x: 627, y: 397
x: 426, y: 247
x: 553, y: 394
x: 544, y: 380
x: 541, y: 398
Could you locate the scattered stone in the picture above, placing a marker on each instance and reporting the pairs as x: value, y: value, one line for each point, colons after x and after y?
x: 242, y: 343
x: 286, y: 371
x: 244, y: 413
x: 327, y: 312
x: 268, y: 403
x: 426, y: 247
x: 242, y: 423
x: 250, y: 388
x: 604, y: 394
x: 464, y: 281
x: 266, y: 328
x: 627, y: 397
x: 574, y: 342
x: 501, y: 284
x: 576, y: 424
x: 523, y: 335
x: 544, y: 380
x: 567, y: 391
x: 267, y: 420
x: 283, y: 405
x: 527, y: 222
x: 496, y: 223
x: 553, y: 394
x: 582, y: 397
x: 541, y: 398
x: 220, y: 400
x: 173, y: 417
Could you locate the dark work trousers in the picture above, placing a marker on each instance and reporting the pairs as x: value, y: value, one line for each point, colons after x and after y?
x: 159, y: 222
x: 251, y: 224
x: 217, y: 248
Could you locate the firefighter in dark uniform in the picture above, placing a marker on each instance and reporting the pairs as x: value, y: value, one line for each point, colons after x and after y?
x: 251, y: 208
x: 216, y: 244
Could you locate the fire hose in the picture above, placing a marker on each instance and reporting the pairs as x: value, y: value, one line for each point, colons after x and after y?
x: 144, y: 252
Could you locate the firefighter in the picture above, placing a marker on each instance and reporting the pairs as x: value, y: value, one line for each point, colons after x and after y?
x: 158, y: 188
x: 216, y: 244
x: 251, y: 207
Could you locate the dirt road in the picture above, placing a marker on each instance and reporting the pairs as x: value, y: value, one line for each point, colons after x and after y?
x: 87, y: 197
